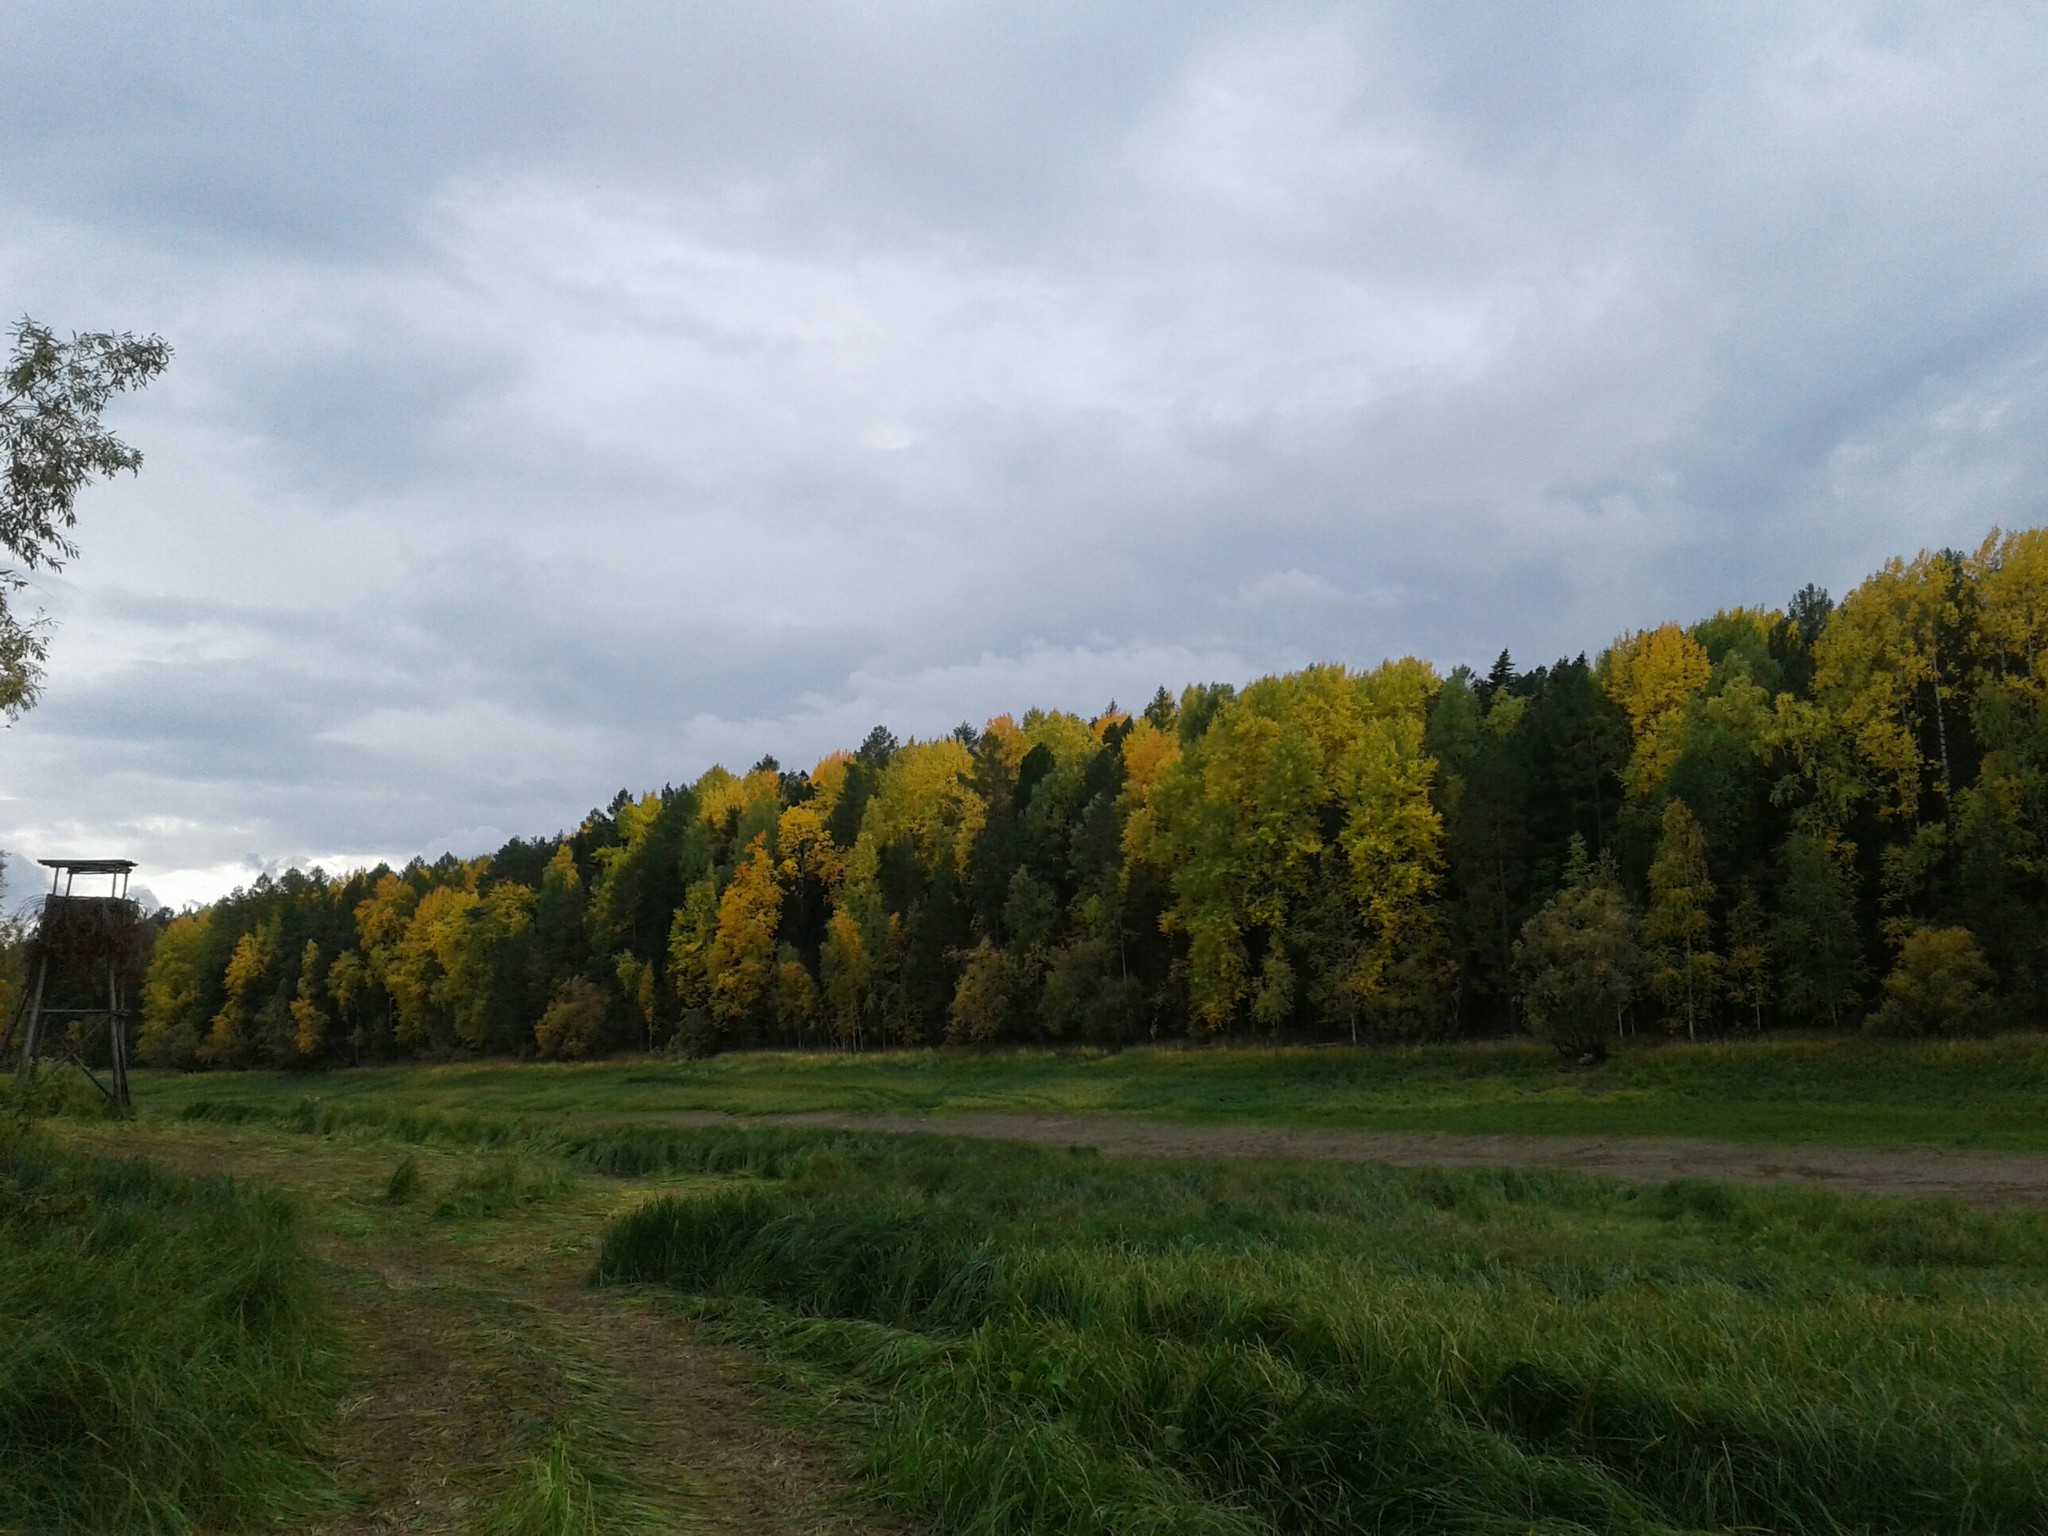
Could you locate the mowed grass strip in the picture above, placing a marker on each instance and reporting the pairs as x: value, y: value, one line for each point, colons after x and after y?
x: 622, y: 1151
x: 1845, y: 1090
x: 164, y: 1361
x: 1054, y: 1342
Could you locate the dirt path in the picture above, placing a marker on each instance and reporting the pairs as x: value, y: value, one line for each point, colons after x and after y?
x: 699, y: 1412
x: 474, y: 1349
x: 1982, y: 1178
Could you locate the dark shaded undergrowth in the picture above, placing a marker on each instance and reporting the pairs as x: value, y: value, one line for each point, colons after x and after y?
x: 163, y: 1359
x: 1057, y: 1342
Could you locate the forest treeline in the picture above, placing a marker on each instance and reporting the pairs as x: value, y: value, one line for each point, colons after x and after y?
x: 1829, y: 814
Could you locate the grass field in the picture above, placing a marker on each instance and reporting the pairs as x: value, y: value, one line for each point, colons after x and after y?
x: 1048, y: 1342
x: 1984, y: 1093
x: 525, y: 1299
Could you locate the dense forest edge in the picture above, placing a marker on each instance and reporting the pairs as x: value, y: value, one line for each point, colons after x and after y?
x: 1829, y: 815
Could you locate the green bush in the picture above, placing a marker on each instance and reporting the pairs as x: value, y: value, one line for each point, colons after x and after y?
x: 1577, y: 960
x: 51, y: 1093
x: 1941, y: 985
x: 574, y: 1025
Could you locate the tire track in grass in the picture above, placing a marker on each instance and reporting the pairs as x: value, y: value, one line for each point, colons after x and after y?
x: 492, y: 1390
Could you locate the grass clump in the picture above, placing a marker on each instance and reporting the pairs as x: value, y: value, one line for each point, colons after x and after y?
x: 498, y: 1185
x: 1052, y: 1343
x: 588, y: 1472
x: 404, y: 1184
x: 163, y: 1362
x: 555, y: 1497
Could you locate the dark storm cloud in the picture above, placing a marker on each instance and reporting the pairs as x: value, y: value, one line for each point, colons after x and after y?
x: 567, y: 399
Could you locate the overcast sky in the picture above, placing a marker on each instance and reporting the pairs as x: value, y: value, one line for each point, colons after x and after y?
x: 570, y: 397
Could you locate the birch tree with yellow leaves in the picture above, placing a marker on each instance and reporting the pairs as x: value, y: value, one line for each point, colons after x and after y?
x: 1307, y: 791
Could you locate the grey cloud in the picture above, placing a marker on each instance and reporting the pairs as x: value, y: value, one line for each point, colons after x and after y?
x: 322, y: 128
x: 611, y: 392
x: 373, y: 416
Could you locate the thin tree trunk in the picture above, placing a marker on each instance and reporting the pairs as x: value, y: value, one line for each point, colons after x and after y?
x: 1690, y: 1032
x: 1941, y: 735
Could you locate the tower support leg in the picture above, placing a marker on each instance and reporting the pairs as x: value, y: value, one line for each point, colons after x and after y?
x: 35, y: 1020
x: 117, y: 1037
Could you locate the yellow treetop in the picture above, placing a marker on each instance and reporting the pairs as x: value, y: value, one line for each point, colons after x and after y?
x: 804, y: 848
x: 1654, y: 674
x: 828, y: 782
x: 2012, y: 590
x: 1881, y: 673
x: 1008, y: 739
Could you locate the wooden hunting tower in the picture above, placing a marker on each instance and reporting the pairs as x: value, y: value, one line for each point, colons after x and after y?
x: 90, y: 942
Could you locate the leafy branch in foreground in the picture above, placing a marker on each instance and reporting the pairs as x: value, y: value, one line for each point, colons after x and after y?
x: 51, y: 397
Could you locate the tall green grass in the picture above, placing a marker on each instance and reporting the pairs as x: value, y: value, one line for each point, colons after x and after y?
x: 1065, y: 1343
x: 163, y: 1364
